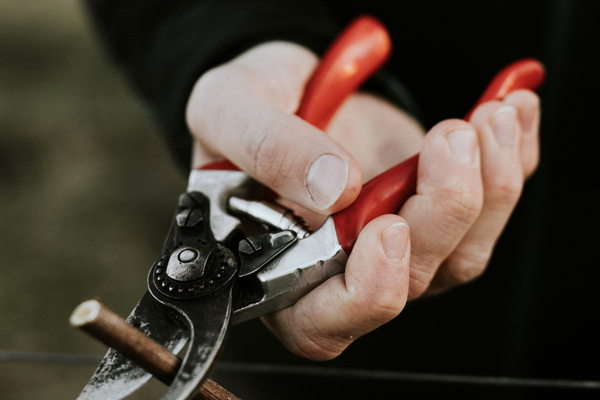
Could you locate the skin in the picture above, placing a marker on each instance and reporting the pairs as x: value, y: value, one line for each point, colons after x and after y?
x: 470, y: 178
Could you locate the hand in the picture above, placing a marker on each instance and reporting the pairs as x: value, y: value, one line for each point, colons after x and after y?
x: 470, y: 177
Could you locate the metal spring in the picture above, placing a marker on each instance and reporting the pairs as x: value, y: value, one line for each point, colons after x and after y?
x: 270, y: 214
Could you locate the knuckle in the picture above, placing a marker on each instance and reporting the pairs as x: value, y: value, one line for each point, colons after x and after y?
x: 211, y: 78
x: 481, y: 112
x: 195, y: 106
x: 466, y: 265
x: 420, y: 278
x: 269, y: 153
x: 462, y: 267
x: 208, y: 95
x: 505, y: 190
x: 459, y: 209
x: 378, y: 302
x: 456, y: 212
x: 309, y: 339
x: 317, y: 348
x: 211, y: 83
x: 381, y: 306
x: 416, y: 289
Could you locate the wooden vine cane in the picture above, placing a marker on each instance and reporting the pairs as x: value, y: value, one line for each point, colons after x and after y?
x: 96, y: 319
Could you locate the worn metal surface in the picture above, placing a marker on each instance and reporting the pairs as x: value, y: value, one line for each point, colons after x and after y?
x: 117, y: 377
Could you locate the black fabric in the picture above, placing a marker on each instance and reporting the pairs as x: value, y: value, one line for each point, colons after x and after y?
x: 165, y: 46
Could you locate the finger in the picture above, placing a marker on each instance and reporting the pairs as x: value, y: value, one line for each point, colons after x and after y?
x: 448, y: 199
x: 528, y: 105
x: 243, y: 111
x: 500, y: 137
x: 371, y: 292
x: 365, y: 117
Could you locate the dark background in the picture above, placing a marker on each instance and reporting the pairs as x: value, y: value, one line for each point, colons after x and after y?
x: 534, y: 312
x: 87, y: 192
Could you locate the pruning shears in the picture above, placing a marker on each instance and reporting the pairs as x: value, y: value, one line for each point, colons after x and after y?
x: 214, y: 272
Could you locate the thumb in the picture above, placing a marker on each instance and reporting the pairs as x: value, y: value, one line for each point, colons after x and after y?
x: 371, y: 292
x: 243, y: 111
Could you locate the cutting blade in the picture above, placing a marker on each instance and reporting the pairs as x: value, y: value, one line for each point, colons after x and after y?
x: 117, y: 377
x: 208, y: 322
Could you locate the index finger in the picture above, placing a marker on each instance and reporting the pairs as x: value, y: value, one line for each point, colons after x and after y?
x: 361, y: 49
x: 243, y: 111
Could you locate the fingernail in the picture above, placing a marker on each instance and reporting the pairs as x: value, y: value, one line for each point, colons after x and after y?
x: 326, y: 180
x: 394, y: 240
x: 504, y: 125
x: 463, y: 144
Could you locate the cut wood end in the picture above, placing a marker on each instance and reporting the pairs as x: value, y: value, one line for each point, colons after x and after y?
x: 85, y: 313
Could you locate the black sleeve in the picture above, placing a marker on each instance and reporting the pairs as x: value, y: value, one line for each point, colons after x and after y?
x: 165, y: 46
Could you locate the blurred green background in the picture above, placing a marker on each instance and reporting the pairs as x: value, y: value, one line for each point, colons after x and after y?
x: 86, y: 191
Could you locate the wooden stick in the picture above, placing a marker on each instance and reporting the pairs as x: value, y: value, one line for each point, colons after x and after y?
x: 96, y: 319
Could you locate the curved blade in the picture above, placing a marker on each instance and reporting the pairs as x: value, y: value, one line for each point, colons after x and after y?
x: 117, y: 377
x: 208, y: 322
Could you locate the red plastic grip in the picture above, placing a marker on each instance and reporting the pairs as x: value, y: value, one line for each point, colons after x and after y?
x: 523, y: 74
x: 354, y: 56
x: 387, y: 192
x: 222, y: 165
x: 383, y: 194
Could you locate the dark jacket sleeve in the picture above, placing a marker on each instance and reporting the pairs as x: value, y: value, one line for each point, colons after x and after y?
x: 164, y: 46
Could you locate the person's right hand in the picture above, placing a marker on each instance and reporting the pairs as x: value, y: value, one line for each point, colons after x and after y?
x: 469, y: 179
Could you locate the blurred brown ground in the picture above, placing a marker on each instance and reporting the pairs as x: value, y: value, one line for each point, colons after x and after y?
x: 86, y: 192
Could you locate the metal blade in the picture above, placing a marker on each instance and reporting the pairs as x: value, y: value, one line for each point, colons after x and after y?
x: 116, y: 377
x: 208, y: 321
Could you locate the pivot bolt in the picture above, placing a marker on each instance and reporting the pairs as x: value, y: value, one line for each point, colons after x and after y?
x: 187, y: 255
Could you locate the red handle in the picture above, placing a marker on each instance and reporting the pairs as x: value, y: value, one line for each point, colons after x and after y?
x: 354, y: 56
x: 387, y: 192
x: 523, y: 74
